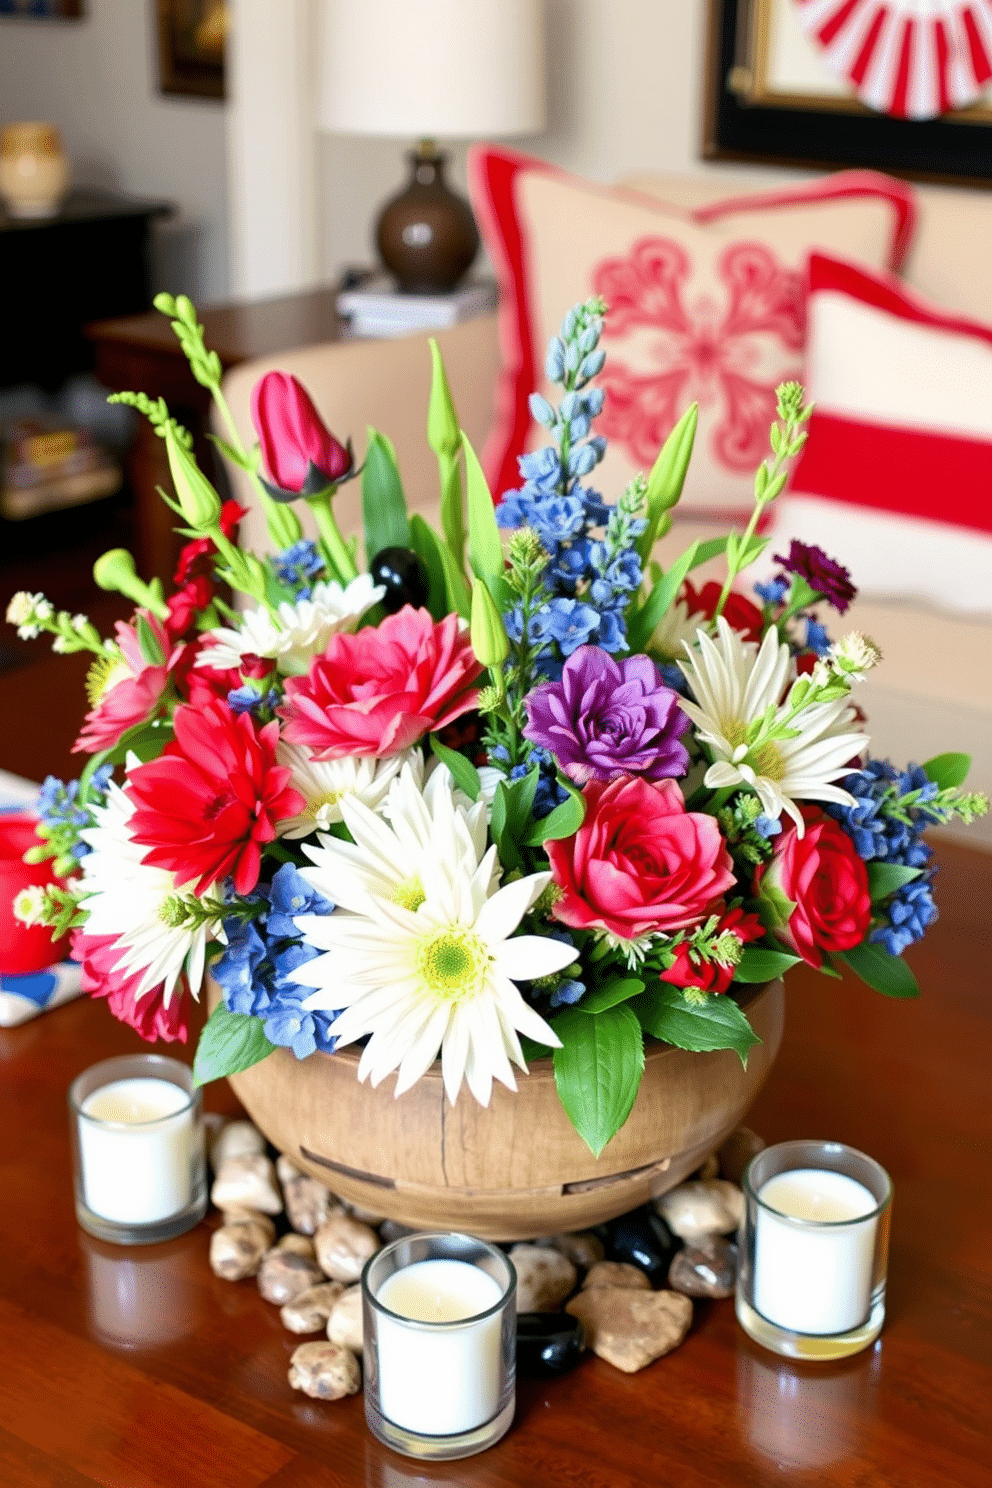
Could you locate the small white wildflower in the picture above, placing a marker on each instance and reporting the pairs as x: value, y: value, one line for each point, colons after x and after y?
x: 854, y: 655
x: 79, y: 623
x: 43, y: 609
x: 60, y: 644
x: 30, y: 905
x: 21, y: 607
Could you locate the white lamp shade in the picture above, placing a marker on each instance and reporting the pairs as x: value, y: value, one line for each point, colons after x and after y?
x: 455, y: 69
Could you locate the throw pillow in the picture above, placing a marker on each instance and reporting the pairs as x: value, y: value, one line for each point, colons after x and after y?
x: 705, y: 304
x: 896, y: 477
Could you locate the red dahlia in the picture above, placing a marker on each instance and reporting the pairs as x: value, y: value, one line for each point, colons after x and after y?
x: 206, y: 806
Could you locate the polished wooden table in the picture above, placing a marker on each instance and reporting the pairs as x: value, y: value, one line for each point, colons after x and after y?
x: 140, y: 1369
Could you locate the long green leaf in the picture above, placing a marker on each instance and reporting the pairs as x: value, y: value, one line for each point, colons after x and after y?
x: 564, y: 821
x: 717, y: 1023
x: 444, y: 438
x: 598, y: 1070
x: 760, y: 965
x: 484, y: 548
x: 948, y: 770
x: 425, y: 545
x: 883, y: 973
x: 641, y: 624
x: 464, y: 773
x: 456, y: 589
x: 383, y: 502
x: 713, y: 547
x: 885, y: 878
x: 610, y: 994
x: 229, y: 1043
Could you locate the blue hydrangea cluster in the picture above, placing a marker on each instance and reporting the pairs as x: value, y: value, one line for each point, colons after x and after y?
x: 591, y: 575
x: 248, y: 699
x: 885, y: 829
x: 59, y: 808
x: 297, y: 566
x: 254, y: 971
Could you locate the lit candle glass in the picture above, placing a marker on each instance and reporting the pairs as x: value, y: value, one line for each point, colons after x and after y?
x: 440, y: 1345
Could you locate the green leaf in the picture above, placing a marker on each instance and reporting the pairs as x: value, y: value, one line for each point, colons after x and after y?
x: 717, y: 1023
x: 457, y: 593
x: 598, y: 1070
x: 667, y: 477
x: 151, y: 646
x: 774, y: 906
x: 564, y: 821
x: 509, y: 854
x: 229, y: 1043
x: 146, y: 740
x: 383, y: 502
x: 443, y: 430
x: 484, y: 548
x: 641, y: 624
x: 424, y: 544
x: 883, y: 973
x: 531, y: 1049
x: 885, y: 878
x: 611, y: 994
x: 948, y: 770
x: 512, y: 817
x: 760, y: 965
x: 465, y: 774
x: 714, y: 547
x: 452, y: 508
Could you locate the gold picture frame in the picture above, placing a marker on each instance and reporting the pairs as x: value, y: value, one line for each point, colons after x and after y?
x: 191, y: 36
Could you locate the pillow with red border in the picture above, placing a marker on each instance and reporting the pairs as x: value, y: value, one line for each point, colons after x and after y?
x: 705, y: 304
x: 896, y: 476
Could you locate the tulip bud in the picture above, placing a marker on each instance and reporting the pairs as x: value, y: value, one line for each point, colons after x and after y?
x: 667, y: 478
x: 301, y: 455
x: 486, y: 628
x: 443, y: 428
x: 199, y: 502
x: 115, y: 572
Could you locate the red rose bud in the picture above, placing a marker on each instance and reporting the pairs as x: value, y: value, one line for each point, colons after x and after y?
x: 821, y: 875
x: 300, y: 453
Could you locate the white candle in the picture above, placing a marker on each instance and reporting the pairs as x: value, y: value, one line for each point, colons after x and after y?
x: 439, y: 1381
x: 814, y: 1277
x: 137, y: 1150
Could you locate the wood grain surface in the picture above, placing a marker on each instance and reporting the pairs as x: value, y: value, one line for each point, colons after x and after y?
x: 137, y: 1368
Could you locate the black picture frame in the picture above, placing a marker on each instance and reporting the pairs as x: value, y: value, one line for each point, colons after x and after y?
x: 42, y: 10
x: 953, y: 151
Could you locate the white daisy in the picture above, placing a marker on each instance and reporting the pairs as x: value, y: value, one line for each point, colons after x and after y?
x: 432, y: 974
x: 302, y: 632
x: 140, y: 904
x: 674, y: 627
x: 325, y: 783
x: 758, y: 740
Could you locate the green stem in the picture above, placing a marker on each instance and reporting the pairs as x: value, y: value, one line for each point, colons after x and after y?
x: 335, y: 550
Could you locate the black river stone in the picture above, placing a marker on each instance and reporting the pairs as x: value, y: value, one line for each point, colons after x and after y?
x: 642, y: 1238
x: 548, y: 1344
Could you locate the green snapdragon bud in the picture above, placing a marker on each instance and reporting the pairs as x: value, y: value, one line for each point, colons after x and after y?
x: 489, y: 641
x: 115, y: 572
x: 199, y: 501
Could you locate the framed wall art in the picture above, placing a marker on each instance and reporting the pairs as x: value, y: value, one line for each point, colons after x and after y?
x: 885, y: 84
x: 55, y: 10
x: 191, y: 36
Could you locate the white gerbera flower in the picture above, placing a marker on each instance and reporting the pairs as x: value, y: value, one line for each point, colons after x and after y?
x: 674, y: 627
x: 141, y: 905
x: 433, y: 971
x: 303, y: 629
x: 325, y: 783
x: 758, y: 740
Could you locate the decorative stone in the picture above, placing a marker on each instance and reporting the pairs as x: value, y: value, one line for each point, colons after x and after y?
x: 344, y: 1325
x: 237, y: 1248
x: 694, y: 1210
x: 641, y: 1238
x: 391, y: 1230
x: 708, y: 1169
x: 544, y: 1278
x: 616, y: 1274
x: 737, y: 1151
x: 548, y: 1344
x: 247, y: 1183
x: 308, y: 1202
x: 708, y: 1269
x: 325, y: 1371
x: 630, y: 1329
x: 236, y: 1139
x: 308, y: 1312
x: 583, y: 1248
x: 298, y: 1244
x: 367, y: 1216
x: 343, y: 1246
x: 283, y: 1275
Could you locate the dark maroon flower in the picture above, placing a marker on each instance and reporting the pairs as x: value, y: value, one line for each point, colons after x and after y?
x: 607, y: 718
x: 300, y: 452
x: 825, y: 575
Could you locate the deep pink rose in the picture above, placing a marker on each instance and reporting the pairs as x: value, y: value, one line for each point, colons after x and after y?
x: 148, y: 1014
x: 640, y: 862
x: 133, y: 688
x: 823, y: 876
x: 380, y: 690
x: 300, y: 452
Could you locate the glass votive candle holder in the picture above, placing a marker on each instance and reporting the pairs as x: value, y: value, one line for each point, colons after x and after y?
x: 440, y: 1320
x: 137, y: 1142
x: 814, y: 1250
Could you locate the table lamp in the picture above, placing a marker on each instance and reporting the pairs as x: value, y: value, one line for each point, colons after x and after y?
x: 423, y: 70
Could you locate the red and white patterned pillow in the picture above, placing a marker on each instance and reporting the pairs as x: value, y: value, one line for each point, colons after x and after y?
x: 705, y: 304
x: 896, y: 477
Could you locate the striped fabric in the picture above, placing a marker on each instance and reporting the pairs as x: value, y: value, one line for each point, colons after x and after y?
x: 896, y: 478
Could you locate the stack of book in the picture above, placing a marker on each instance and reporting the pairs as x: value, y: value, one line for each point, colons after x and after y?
x: 377, y: 307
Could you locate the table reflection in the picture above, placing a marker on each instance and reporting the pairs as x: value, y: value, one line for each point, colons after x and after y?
x: 141, y: 1297
x: 806, y: 1416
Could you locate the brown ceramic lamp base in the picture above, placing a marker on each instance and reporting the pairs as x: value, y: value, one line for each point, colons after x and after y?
x: 427, y: 236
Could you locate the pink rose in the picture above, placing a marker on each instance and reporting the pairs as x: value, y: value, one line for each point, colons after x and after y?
x: 147, y: 1015
x: 131, y: 688
x: 823, y: 876
x: 380, y: 690
x: 640, y: 862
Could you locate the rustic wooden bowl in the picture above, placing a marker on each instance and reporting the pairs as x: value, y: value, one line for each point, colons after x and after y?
x: 518, y: 1168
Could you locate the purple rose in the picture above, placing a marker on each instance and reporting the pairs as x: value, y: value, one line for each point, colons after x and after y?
x: 608, y: 718
x: 825, y: 575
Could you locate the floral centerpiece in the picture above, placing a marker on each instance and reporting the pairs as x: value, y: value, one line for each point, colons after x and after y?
x: 512, y: 790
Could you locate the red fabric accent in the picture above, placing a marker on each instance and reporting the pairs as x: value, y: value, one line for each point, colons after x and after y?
x: 914, y: 472
x: 979, y: 56
x: 943, y: 59
x: 829, y: 29
x: 900, y: 95
x: 887, y: 293
x: 863, y: 59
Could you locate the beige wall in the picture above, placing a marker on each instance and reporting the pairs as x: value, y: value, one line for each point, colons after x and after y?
x: 96, y: 79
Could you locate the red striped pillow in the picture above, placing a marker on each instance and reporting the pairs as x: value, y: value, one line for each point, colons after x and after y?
x: 896, y: 477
